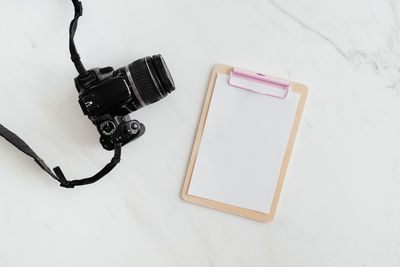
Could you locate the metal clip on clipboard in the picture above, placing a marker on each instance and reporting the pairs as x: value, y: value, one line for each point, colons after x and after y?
x: 258, y: 83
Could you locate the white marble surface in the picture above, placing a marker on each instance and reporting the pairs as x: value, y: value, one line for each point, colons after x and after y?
x: 340, y: 205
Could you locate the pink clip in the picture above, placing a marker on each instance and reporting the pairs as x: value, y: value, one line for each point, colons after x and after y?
x: 258, y: 83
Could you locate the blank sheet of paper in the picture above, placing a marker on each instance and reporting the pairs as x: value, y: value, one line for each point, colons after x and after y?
x: 243, y: 146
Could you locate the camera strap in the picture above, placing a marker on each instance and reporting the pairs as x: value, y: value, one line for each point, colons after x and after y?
x: 56, y: 173
x: 75, y: 57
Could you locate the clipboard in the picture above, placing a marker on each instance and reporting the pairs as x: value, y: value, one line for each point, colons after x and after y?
x: 208, y: 186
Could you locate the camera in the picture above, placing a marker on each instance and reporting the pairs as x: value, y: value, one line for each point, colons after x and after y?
x: 107, y: 96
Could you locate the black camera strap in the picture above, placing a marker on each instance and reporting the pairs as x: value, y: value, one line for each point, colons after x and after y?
x: 75, y: 57
x: 58, y: 174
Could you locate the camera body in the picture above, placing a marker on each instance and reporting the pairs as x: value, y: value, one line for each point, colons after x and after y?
x: 107, y: 96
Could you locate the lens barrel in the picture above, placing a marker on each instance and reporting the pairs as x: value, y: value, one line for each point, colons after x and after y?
x: 149, y: 79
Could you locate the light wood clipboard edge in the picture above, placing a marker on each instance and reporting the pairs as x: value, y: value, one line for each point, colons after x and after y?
x: 251, y: 214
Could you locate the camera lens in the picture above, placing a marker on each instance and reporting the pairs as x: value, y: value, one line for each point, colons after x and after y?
x: 150, y: 80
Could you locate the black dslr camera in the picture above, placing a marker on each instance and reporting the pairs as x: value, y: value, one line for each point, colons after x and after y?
x: 107, y: 96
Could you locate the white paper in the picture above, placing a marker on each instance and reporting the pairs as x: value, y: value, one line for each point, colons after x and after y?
x: 242, y: 147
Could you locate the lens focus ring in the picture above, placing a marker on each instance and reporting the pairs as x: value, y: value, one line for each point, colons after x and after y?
x: 144, y: 82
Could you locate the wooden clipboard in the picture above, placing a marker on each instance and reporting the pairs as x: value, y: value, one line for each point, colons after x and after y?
x: 251, y: 214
